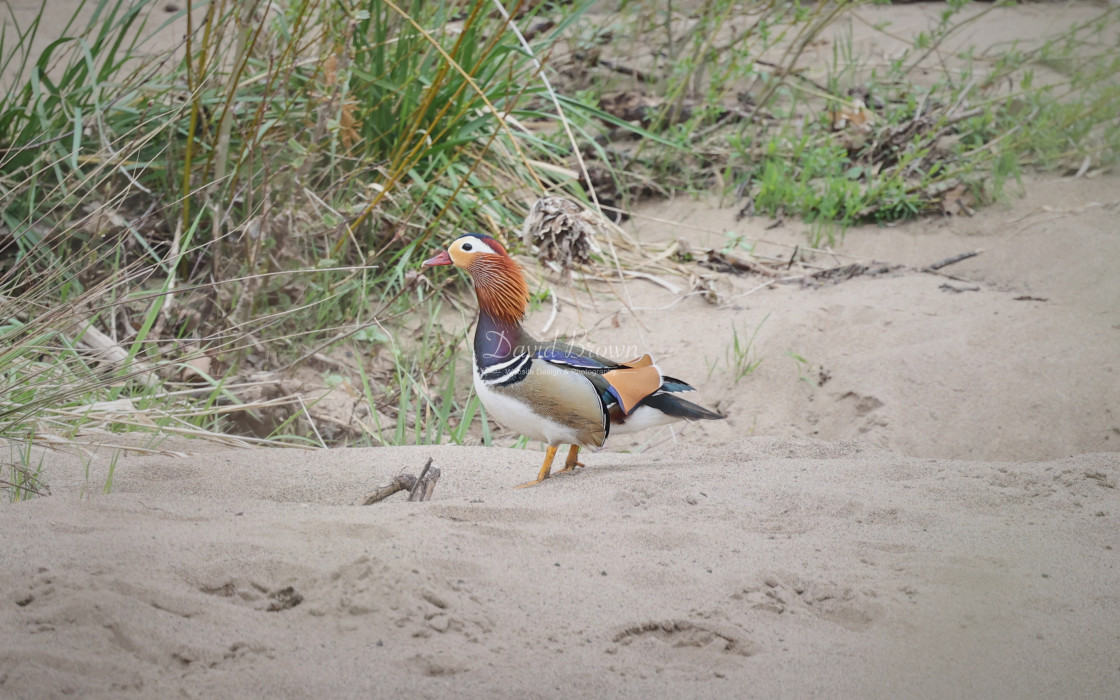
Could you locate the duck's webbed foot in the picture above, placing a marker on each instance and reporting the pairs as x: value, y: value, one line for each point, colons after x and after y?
x: 570, y: 463
x: 546, y: 468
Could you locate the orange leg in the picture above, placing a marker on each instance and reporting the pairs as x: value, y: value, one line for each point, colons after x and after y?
x: 546, y: 468
x: 570, y: 464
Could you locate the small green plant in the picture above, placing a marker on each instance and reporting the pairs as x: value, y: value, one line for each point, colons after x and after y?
x: 23, y: 483
x: 460, y: 434
x: 21, y: 478
x: 739, y: 357
x: 87, y: 462
x: 806, y: 373
x: 735, y: 242
x: 108, y: 488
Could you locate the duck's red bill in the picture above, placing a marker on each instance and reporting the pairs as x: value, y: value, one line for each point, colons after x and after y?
x: 442, y: 259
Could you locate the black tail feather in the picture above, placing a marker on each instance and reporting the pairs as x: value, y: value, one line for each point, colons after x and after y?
x: 674, y: 384
x: 679, y: 408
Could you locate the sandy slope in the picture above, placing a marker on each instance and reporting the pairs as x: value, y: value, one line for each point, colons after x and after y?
x: 761, y: 568
x: 719, y: 566
x: 790, y: 551
x: 1025, y: 364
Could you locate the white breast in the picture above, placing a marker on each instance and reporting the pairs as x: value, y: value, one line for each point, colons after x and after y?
x: 520, y: 417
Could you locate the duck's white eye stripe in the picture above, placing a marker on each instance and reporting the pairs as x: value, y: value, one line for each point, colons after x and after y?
x: 475, y: 245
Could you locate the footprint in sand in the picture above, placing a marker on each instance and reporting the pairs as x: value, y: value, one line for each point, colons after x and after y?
x: 693, y: 648
x: 828, y: 601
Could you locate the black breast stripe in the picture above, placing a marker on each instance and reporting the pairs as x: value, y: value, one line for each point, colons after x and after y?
x: 516, y: 375
x: 501, y: 367
x: 507, y: 372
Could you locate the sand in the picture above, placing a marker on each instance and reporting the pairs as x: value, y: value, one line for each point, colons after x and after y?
x: 927, y: 507
x: 953, y: 532
x: 765, y: 567
x: 1022, y: 364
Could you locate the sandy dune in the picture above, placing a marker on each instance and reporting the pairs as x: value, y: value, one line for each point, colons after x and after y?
x: 761, y: 568
x: 716, y: 566
x: 932, y: 513
x: 1020, y: 359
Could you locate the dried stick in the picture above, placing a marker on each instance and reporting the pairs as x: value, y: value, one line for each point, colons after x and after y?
x: 953, y: 260
x: 110, y: 352
x: 426, y: 484
x: 403, y: 482
x: 419, y: 488
x: 635, y: 73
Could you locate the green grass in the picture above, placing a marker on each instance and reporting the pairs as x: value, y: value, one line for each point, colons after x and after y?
x: 813, y: 375
x: 740, y: 356
x: 262, y: 192
x: 176, y: 225
x: 767, y: 132
x: 21, y: 477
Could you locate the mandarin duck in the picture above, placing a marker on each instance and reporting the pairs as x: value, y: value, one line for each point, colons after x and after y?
x: 554, y: 392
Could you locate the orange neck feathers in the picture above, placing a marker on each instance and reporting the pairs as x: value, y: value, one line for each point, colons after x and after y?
x: 500, y: 287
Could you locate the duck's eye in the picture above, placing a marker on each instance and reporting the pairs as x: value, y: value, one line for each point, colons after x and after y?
x: 467, y: 247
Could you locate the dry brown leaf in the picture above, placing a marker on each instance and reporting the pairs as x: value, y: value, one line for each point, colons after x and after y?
x: 854, y: 117
x: 958, y: 201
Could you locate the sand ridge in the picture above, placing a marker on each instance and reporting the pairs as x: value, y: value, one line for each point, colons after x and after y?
x: 926, y: 508
x: 952, y: 533
x: 758, y: 568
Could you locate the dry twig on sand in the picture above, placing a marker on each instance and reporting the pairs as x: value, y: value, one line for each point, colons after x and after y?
x: 953, y: 260
x: 419, y: 488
